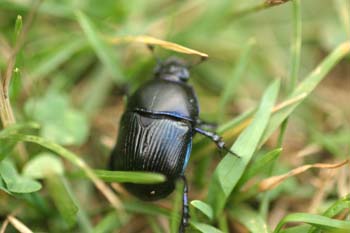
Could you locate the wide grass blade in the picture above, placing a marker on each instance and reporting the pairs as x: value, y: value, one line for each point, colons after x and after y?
x: 340, y: 205
x: 297, y: 229
x: 203, y: 207
x: 205, y: 228
x: 231, y: 168
x: 316, y: 220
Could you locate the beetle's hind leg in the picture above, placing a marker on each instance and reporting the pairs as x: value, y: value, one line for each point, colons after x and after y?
x: 185, y: 208
x: 216, y: 139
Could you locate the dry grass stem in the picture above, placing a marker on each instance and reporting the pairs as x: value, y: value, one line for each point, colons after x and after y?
x: 272, y: 182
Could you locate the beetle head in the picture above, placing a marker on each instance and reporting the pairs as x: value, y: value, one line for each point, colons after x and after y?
x: 173, y: 69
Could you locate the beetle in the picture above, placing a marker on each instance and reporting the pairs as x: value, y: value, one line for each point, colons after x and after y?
x: 156, y: 132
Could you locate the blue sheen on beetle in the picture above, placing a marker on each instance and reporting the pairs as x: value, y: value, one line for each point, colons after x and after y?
x: 156, y: 132
x: 187, y: 157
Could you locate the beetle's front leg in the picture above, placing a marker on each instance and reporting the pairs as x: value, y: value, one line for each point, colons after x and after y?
x: 206, y: 125
x: 185, y: 208
x: 216, y: 139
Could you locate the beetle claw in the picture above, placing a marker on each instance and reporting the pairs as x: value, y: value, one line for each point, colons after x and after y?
x: 231, y: 152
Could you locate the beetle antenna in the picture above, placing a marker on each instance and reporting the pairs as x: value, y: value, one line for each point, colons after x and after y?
x: 151, y: 48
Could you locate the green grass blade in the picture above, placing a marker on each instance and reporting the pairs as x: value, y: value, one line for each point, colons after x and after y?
x: 250, y: 219
x: 316, y: 76
x: 204, y: 228
x: 175, y: 221
x: 260, y: 164
x: 48, y: 8
x: 56, y: 58
x: 297, y: 229
x: 316, y: 220
x: 230, y: 169
x: 337, y: 207
x: 146, y: 208
x: 99, y: 88
x: 111, y: 176
x: 203, y: 144
x: 334, y: 209
x: 237, y: 74
x: 103, y: 52
x: 203, y: 207
x: 235, y: 121
x: 154, y: 225
x: 73, y: 158
x: 131, y: 177
x: 108, y: 224
x: 18, y: 127
x: 306, y: 87
x: 18, y: 26
x: 62, y: 199
x: 296, y: 45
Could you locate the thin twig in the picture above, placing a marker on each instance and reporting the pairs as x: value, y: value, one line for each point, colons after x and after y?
x: 273, y: 181
x: 261, y: 6
x: 6, y: 113
x: 19, y: 43
x: 344, y: 15
x: 104, y: 189
x: 326, y: 183
x: 296, y: 45
x: 18, y: 225
x: 4, y: 225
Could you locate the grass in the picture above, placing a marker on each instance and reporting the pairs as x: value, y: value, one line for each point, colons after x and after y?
x: 276, y: 82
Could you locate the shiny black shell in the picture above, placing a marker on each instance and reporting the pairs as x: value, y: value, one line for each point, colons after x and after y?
x: 155, y: 135
x: 165, y: 97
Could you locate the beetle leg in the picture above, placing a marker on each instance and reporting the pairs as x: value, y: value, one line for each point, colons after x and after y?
x: 151, y: 48
x: 216, y: 139
x: 206, y: 125
x: 185, y: 208
x: 125, y: 89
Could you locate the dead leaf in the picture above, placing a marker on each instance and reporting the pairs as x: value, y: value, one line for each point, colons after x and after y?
x: 154, y: 41
x: 272, y: 182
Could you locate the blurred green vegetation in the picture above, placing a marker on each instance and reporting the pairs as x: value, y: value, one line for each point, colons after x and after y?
x: 71, y: 80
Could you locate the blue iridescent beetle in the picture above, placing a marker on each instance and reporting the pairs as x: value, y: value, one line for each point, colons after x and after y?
x: 156, y: 132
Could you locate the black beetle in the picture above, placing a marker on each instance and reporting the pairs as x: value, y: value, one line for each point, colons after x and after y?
x: 156, y: 132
